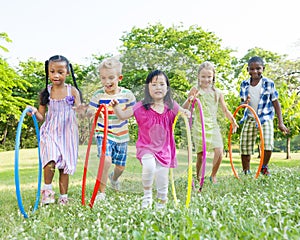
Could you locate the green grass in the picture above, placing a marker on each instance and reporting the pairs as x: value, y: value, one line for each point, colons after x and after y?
x: 263, y: 208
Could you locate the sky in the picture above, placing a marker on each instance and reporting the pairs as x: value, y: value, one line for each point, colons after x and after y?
x: 78, y: 29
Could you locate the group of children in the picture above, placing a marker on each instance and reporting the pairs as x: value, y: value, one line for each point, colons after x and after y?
x: 155, y: 115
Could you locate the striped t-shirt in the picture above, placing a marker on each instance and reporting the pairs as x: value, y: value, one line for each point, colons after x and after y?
x: 117, y: 129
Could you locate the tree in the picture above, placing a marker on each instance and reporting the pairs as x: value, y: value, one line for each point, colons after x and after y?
x: 175, y: 50
x: 11, y: 102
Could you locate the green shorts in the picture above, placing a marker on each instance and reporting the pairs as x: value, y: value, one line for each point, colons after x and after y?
x: 250, y: 136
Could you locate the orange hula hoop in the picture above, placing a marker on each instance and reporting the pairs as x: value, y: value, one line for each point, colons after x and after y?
x: 262, y: 144
x: 103, y: 108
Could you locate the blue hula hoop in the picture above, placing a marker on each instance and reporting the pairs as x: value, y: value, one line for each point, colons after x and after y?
x: 17, y: 147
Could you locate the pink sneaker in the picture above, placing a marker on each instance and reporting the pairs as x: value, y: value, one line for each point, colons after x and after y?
x: 63, y: 201
x: 47, y: 196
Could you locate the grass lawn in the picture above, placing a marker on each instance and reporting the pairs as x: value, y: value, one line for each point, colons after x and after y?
x: 248, y: 208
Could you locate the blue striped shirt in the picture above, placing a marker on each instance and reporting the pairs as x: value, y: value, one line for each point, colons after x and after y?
x: 268, y: 94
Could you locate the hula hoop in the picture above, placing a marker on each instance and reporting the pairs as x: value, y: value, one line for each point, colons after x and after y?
x: 102, y: 156
x: 203, y: 139
x: 17, y: 147
x: 190, y: 170
x: 262, y: 144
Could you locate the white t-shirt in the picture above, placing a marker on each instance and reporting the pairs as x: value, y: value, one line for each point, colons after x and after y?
x: 254, y: 92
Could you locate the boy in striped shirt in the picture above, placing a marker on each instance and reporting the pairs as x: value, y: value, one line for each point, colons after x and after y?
x: 110, y: 71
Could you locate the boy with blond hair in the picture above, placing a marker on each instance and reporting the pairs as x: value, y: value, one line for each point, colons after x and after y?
x: 110, y: 72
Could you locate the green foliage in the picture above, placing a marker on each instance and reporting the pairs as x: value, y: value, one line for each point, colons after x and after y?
x: 175, y: 50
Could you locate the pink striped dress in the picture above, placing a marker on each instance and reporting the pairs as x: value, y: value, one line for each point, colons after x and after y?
x: 59, y: 134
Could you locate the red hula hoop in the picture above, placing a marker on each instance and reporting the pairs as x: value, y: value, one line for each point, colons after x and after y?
x: 262, y: 144
x: 203, y: 138
x: 101, y: 108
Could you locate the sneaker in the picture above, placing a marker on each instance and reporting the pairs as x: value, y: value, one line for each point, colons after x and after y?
x: 100, y: 197
x: 47, y: 196
x: 114, y: 184
x: 247, y: 172
x: 63, y: 201
x: 160, y: 205
x: 146, y: 202
x: 265, y: 171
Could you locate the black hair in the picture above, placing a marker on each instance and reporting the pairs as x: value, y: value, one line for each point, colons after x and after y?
x: 148, y: 100
x: 256, y: 59
x: 44, y: 96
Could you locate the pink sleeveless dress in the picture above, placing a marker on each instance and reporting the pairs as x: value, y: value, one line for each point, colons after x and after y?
x: 59, y: 134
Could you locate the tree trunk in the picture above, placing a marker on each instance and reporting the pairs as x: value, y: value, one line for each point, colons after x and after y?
x: 4, y: 134
x: 258, y: 151
x: 288, y: 148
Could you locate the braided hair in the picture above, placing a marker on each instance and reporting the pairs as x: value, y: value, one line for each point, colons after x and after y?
x: 44, y: 96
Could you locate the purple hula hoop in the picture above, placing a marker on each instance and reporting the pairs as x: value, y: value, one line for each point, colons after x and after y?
x: 203, y: 138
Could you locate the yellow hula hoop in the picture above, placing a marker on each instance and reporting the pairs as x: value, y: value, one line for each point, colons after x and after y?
x: 190, y: 170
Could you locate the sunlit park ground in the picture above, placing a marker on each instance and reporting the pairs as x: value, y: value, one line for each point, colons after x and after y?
x: 248, y: 208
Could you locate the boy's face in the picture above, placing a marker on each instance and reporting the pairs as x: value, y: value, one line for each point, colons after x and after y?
x: 110, y: 79
x: 255, y: 70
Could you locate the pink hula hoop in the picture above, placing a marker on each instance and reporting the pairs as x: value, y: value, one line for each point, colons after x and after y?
x: 203, y: 138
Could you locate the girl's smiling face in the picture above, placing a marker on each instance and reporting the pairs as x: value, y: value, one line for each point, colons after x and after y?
x: 205, y: 78
x: 158, y: 88
x: 58, y: 71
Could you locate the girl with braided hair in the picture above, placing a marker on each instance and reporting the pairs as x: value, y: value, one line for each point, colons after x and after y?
x: 59, y: 131
x: 211, y: 99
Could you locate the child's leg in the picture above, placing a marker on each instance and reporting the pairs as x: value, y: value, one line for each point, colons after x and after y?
x: 218, y: 154
x: 268, y: 130
x: 107, y: 164
x: 246, y: 162
x: 63, y: 182
x: 118, y: 170
x: 162, y: 176
x: 148, y: 171
x: 49, y: 171
x: 199, y: 164
x: 47, y: 192
x: 247, y: 142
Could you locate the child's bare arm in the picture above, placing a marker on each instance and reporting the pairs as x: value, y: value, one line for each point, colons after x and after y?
x: 122, y: 114
x: 281, y: 125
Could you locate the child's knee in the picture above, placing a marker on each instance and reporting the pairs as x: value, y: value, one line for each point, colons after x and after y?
x: 51, y: 166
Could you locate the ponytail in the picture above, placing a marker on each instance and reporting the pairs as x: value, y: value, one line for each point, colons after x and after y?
x: 74, y: 81
x: 44, y: 96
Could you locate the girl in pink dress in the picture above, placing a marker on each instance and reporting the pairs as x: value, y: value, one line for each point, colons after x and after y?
x: 156, y: 148
x: 59, y: 132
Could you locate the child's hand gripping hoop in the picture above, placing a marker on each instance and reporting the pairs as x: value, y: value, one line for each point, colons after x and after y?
x: 102, y: 109
x: 196, y: 100
x: 262, y: 145
x: 190, y: 170
x: 17, y: 147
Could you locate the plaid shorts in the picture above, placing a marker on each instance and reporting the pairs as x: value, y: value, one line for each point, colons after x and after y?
x: 117, y: 151
x: 250, y: 133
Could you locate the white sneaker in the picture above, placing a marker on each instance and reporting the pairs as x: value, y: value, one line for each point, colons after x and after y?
x: 160, y: 205
x: 100, y: 196
x: 48, y: 196
x: 63, y: 201
x: 114, y: 184
x: 146, y: 202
